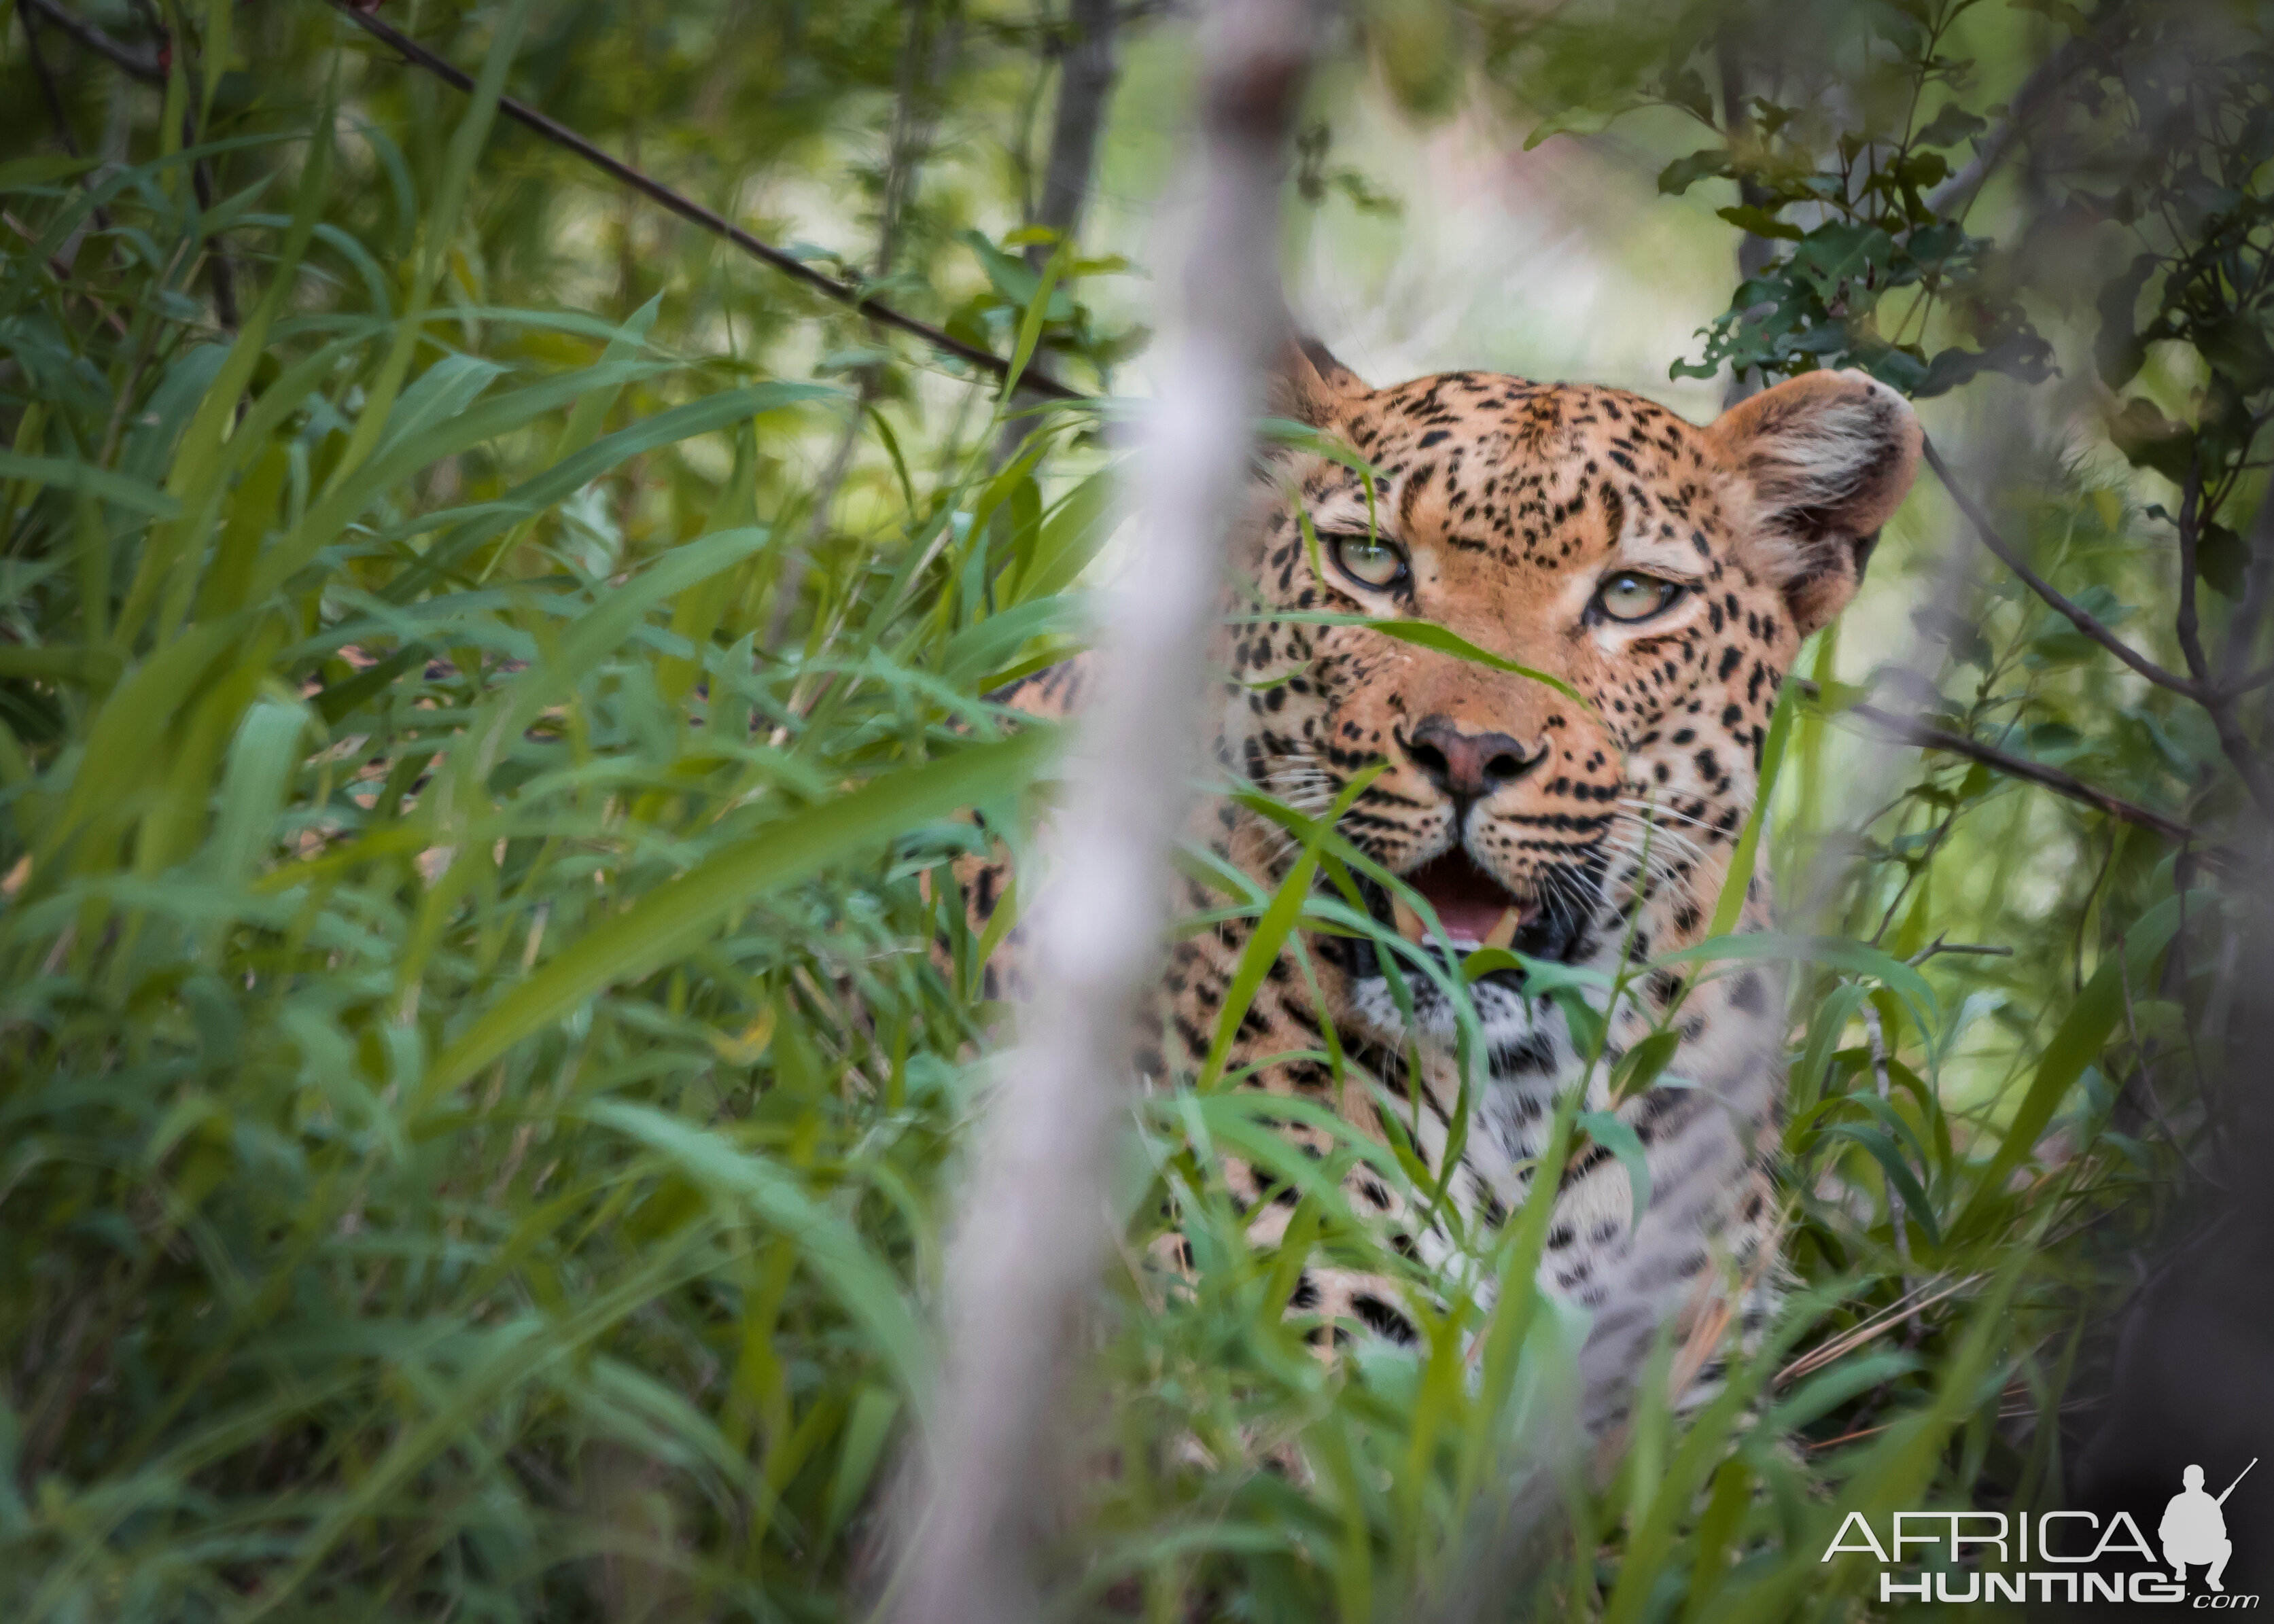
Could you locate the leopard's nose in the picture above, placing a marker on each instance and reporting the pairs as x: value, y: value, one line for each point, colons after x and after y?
x: 1469, y: 766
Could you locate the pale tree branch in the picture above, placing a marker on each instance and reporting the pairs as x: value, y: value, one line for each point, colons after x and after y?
x: 1034, y: 1229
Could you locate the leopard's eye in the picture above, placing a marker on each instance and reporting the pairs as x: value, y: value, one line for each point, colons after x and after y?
x: 1370, y: 560
x: 1628, y: 595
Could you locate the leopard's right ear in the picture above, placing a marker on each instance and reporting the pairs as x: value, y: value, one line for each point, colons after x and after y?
x: 1309, y: 384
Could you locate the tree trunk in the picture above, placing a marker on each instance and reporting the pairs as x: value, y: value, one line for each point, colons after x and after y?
x: 1087, y: 75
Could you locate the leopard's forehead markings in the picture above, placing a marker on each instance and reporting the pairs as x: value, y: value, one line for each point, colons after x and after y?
x: 1511, y: 462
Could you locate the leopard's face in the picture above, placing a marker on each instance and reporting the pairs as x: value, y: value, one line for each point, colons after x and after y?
x: 1661, y: 574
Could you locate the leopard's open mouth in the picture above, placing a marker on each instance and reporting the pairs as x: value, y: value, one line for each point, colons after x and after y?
x: 1475, y: 909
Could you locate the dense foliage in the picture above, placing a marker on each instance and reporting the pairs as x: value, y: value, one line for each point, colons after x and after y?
x: 489, y: 675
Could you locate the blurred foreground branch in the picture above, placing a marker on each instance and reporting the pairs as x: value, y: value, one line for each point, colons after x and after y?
x: 1034, y: 1223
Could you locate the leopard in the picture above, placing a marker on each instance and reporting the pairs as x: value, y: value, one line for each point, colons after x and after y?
x: 1567, y: 778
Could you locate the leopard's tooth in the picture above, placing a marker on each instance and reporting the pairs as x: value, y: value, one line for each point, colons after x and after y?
x: 1503, y: 933
x: 1409, y: 923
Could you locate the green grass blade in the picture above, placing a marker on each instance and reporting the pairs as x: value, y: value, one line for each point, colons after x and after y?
x: 678, y: 916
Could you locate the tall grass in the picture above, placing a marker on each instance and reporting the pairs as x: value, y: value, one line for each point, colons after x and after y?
x: 478, y: 1096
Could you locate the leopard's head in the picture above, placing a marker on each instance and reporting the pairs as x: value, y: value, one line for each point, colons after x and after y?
x: 1663, y: 573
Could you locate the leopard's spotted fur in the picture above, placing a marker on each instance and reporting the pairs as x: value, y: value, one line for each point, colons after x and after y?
x: 1513, y: 501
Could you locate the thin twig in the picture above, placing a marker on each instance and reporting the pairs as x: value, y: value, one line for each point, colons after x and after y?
x: 1943, y: 740
x: 1978, y: 948
x: 2082, y: 619
x: 2217, y: 698
x: 219, y: 271
x: 1087, y: 70
x: 843, y: 293
x: 87, y: 33
x: 2185, y: 625
x: 61, y: 270
x: 53, y: 95
x: 1840, y: 1347
x: 2035, y: 94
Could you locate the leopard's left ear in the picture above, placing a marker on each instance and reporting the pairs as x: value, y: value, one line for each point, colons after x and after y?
x: 1827, y: 457
x: 1308, y: 385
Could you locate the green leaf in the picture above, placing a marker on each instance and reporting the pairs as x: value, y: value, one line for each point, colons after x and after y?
x: 2024, y: 355
x: 2151, y: 441
x: 1578, y: 118
x: 1269, y: 936
x: 1822, y: 1393
x: 1641, y: 1066
x: 831, y: 1248
x: 1916, y: 1205
x: 503, y: 717
x: 347, y: 495
x: 1953, y: 125
x: 1730, y: 905
x: 2060, y: 10
x: 867, y: 1429
x: 1426, y: 634
x: 1753, y: 218
x: 1070, y: 535
x: 2222, y: 558
x: 64, y: 474
x: 2119, y: 351
x: 41, y: 169
x: 1037, y: 312
x: 439, y: 233
x: 1683, y: 173
x: 1838, y: 952
x: 574, y: 470
x: 97, y: 668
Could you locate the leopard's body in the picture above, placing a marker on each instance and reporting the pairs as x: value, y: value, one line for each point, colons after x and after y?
x: 1611, y: 824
